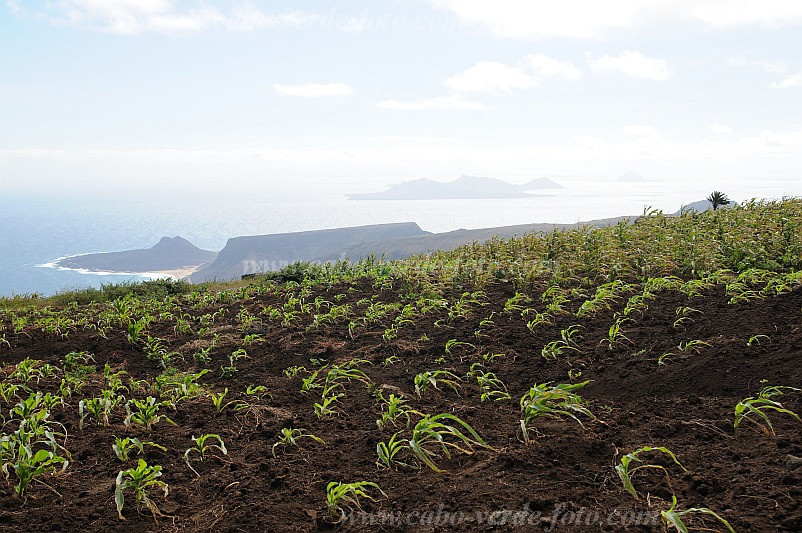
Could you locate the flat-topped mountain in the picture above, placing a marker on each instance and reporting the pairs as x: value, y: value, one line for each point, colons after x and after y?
x: 168, y: 254
x: 262, y: 253
x: 463, y: 188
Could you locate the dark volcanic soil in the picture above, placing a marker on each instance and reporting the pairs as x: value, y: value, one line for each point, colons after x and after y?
x: 564, y: 480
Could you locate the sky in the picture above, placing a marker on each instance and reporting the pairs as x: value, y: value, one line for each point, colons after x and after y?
x: 111, y: 95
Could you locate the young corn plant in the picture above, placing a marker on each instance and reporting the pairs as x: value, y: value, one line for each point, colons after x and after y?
x: 135, y: 330
x: 554, y: 401
x: 324, y: 407
x: 758, y: 340
x: 8, y: 392
x: 126, y: 446
x: 625, y: 469
x: 342, y: 497
x: 218, y: 400
x: 98, y: 408
x: 490, y: 386
x: 556, y: 348
x: 203, y: 449
x: 454, y: 343
x: 29, y: 465
x: 684, y: 347
x: 438, y: 432
x: 614, y: 334
x: 141, y: 480
x: 673, y: 517
x: 434, y: 378
x: 760, y: 405
x: 393, y: 409
x: 387, y: 452
x: 144, y: 412
x: 683, y: 315
x: 292, y: 436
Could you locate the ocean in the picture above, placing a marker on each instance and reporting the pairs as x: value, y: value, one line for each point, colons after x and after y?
x: 36, y: 230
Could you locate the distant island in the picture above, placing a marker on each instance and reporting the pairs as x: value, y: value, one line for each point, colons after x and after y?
x: 463, y: 188
x: 631, y: 177
x: 174, y: 256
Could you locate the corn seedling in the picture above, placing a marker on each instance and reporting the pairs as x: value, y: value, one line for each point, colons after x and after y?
x: 625, y: 470
x: 554, y: 349
x: 257, y: 391
x: 695, y: 345
x: 124, y: 447
x: 540, y: 319
x: 25, y: 370
x: 454, y: 343
x: 310, y: 382
x: 141, y: 480
x: 144, y: 412
x: 342, y: 497
x: 387, y: 452
x: 8, y: 391
x: 758, y: 339
x: 156, y: 350
x: 437, y: 429
x: 760, y: 405
x: 113, y: 380
x: 291, y: 437
x: 434, y: 378
x: 614, y: 334
x: 490, y: 386
x: 29, y: 465
x: 684, y: 315
x: 547, y: 400
x: 203, y: 356
x: 202, y: 449
x: 99, y: 408
x: 218, y: 400
x: 135, y: 330
x: 293, y: 371
x: 393, y: 408
x: 323, y: 408
x: 673, y: 517
x: 338, y: 375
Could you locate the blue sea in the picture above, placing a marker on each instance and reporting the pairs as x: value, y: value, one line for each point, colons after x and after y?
x: 36, y: 230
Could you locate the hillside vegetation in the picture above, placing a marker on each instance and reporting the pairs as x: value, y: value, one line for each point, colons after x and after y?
x: 638, y: 377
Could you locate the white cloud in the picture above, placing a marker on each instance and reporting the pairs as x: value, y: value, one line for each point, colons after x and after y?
x: 743, y: 13
x: 489, y: 76
x: 545, y: 66
x: 633, y: 64
x: 719, y: 129
x: 527, y: 19
x: 314, y: 90
x: 493, y: 76
x: 795, y: 80
x: 771, y: 67
x: 453, y: 101
x: 640, y: 130
x: 132, y: 17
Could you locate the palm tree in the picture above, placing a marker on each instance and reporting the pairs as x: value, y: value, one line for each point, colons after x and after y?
x: 717, y: 199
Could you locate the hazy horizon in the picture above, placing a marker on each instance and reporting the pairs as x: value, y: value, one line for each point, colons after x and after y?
x: 122, y: 95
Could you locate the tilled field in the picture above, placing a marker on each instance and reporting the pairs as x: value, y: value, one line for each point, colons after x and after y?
x: 671, y: 377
